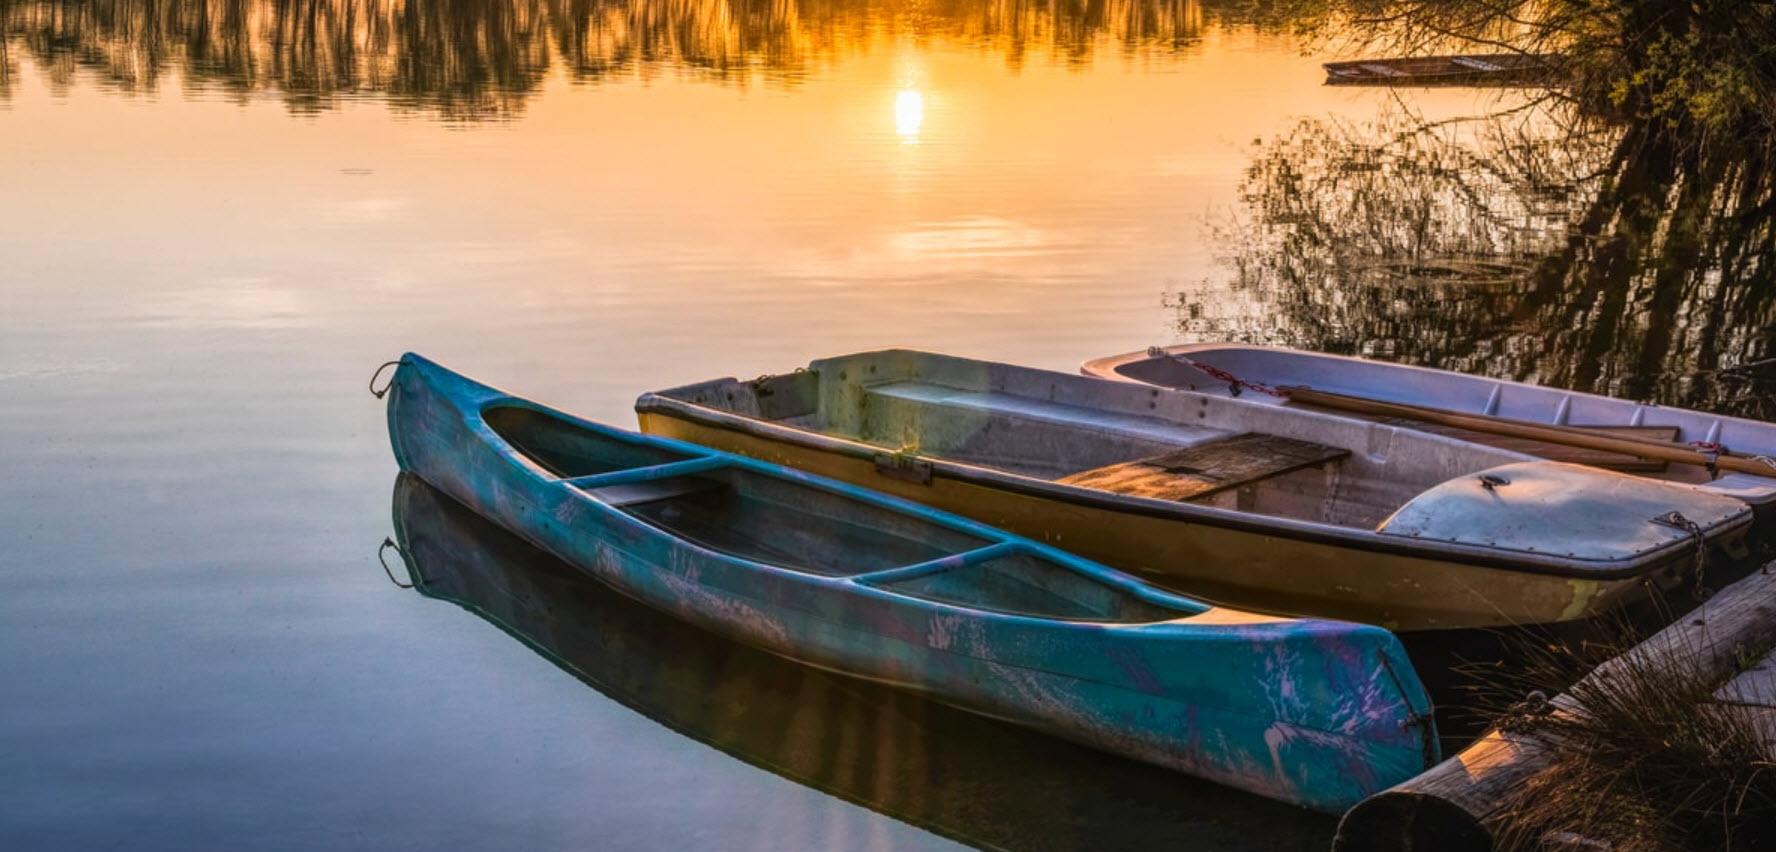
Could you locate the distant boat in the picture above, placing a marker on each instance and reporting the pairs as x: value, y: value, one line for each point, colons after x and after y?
x: 1552, y: 423
x: 1260, y: 507
x: 1467, y: 70
x: 1315, y: 713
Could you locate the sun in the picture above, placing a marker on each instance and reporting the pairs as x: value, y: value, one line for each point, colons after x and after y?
x: 909, y: 113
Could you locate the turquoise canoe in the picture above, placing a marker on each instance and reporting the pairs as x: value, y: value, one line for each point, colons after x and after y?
x: 957, y: 774
x: 1316, y: 713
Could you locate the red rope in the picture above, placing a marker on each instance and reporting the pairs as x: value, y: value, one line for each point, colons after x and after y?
x: 1234, y: 383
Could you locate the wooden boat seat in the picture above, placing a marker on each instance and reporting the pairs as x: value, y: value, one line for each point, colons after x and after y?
x: 1204, y: 469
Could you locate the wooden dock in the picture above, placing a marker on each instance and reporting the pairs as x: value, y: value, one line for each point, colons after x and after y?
x: 1458, y: 805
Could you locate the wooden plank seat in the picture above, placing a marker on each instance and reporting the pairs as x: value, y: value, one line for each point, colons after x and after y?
x: 1207, y: 468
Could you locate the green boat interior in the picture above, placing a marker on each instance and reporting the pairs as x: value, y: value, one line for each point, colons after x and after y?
x: 715, y: 505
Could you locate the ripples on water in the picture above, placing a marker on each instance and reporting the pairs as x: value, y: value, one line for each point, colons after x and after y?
x: 217, y: 217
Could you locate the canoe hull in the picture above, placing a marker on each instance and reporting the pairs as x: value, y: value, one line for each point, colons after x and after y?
x: 1315, y: 713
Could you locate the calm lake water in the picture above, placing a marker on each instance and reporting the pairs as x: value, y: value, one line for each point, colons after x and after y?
x: 216, y: 218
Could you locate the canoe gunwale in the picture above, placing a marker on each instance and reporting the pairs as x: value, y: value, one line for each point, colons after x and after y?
x: 660, y: 403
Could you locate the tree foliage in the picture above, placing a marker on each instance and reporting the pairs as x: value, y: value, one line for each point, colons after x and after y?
x: 1703, y: 71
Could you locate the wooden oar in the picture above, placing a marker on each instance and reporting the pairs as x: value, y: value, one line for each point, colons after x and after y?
x: 1546, y: 432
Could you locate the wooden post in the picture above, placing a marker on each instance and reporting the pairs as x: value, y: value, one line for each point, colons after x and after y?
x: 1455, y: 805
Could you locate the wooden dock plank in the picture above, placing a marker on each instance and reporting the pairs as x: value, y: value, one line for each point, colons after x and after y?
x: 1207, y: 468
x: 1754, y: 691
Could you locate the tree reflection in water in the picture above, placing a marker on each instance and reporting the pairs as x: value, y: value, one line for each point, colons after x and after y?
x: 1530, y: 245
x: 473, y: 59
x: 1523, y: 245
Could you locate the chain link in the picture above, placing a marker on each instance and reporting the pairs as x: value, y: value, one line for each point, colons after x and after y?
x: 1676, y: 520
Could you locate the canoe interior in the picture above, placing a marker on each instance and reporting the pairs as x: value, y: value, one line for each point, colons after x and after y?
x: 790, y: 524
x: 777, y: 522
x: 1025, y: 584
x: 566, y: 449
x: 1111, y: 437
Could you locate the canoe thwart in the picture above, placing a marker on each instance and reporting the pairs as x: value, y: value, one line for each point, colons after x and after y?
x: 942, y: 563
x: 1014, y: 580
x: 648, y: 473
x: 1207, y: 468
x: 637, y: 493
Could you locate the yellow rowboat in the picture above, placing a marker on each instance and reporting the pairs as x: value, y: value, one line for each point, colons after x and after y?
x: 1260, y: 507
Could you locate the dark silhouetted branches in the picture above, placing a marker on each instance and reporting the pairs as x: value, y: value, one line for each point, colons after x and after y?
x: 1529, y: 247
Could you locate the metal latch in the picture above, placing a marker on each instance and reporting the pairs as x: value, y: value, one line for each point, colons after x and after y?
x: 904, y: 466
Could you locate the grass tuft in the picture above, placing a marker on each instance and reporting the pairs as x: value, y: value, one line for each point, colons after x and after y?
x: 1642, y: 757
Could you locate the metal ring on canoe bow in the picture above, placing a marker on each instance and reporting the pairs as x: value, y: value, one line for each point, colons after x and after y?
x: 406, y: 563
x: 379, y: 394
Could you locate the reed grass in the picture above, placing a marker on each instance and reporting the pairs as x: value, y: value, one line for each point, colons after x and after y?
x: 1641, y: 756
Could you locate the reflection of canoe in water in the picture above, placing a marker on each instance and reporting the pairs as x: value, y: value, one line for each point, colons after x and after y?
x: 1316, y: 713
x: 1468, y: 70
x: 959, y: 774
x: 1357, y: 380
x: 1261, y: 507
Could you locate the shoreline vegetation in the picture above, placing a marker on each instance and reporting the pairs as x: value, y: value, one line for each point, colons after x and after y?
x: 1666, y: 744
x: 1693, y: 76
x: 469, y: 61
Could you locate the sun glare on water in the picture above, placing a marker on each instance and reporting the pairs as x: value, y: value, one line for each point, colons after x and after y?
x: 909, y: 113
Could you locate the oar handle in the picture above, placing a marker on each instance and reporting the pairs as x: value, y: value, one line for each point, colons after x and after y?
x: 1546, y: 432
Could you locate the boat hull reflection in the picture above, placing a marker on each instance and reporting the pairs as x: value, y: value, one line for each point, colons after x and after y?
x: 960, y: 775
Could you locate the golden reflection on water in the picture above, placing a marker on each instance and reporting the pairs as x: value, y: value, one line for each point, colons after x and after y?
x: 918, y: 189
